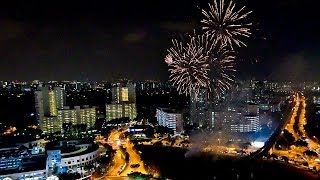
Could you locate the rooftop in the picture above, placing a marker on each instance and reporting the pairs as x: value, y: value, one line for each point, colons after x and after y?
x: 82, y: 151
x: 167, y: 110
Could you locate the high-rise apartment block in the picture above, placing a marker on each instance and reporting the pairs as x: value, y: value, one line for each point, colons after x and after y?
x: 51, y: 111
x: 123, y: 102
x: 171, y: 119
x: 237, y: 119
x: 124, y: 93
x: 200, y: 109
x: 120, y: 110
x: 47, y: 106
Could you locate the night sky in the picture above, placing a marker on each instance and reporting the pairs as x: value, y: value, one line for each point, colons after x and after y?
x: 100, y: 40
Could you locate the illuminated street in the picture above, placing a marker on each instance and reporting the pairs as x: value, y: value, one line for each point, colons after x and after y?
x: 296, y: 154
x: 119, y: 169
x: 118, y: 162
x: 289, y: 126
x: 119, y: 158
x: 134, y: 158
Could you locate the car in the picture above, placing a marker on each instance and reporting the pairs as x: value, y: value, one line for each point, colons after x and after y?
x: 135, y: 165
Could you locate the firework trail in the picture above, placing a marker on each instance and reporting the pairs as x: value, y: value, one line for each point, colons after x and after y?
x: 220, y: 60
x: 222, y: 70
x: 202, y: 63
x: 225, y: 23
x: 188, y: 66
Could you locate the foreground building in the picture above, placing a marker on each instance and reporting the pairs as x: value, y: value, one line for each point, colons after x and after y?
x: 36, y: 174
x: 62, y: 160
x: 18, y: 162
x: 23, y: 161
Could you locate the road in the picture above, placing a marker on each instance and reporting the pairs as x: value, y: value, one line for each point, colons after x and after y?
x: 119, y: 170
x: 296, y: 154
x: 134, y: 158
x: 119, y: 158
x: 289, y: 126
x: 118, y: 163
x: 116, y: 178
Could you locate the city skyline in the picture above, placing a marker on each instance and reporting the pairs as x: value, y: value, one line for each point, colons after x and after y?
x: 162, y: 89
x: 100, y: 41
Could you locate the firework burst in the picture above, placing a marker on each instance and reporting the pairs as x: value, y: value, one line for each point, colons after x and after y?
x: 222, y: 70
x: 225, y: 23
x: 220, y: 60
x: 188, y: 66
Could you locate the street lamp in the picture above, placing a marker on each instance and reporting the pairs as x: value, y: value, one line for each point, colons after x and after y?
x: 316, y: 138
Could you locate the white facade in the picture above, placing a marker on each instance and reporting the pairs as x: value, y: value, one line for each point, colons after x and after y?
x: 250, y: 124
x: 170, y: 119
x: 80, y: 160
x: 235, y: 121
x: 84, y: 154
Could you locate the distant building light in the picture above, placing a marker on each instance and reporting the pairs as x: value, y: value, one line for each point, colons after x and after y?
x: 257, y: 144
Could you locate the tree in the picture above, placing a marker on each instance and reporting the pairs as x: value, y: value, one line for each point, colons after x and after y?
x: 158, y: 143
x: 273, y: 156
x: 55, y: 170
x: 83, y: 127
x: 164, y: 130
x: 66, y: 127
x: 285, y: 158
x: 99, y: 123
x: 311, y: 153
x: 288, y: 136
x: 149, y: 132
x: 139, y: 176
x: 127, y: 156
x: 246, y: 145
x: 305, y: 164
x: 88, y: 166
x: 68, y: 176
x: 173, y: 141
x: 301, y: 143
